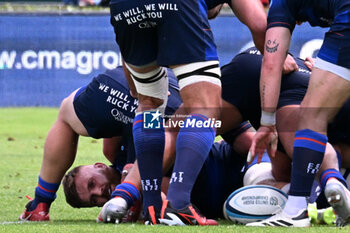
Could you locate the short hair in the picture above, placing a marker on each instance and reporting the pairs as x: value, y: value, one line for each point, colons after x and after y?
x: 70, y: 190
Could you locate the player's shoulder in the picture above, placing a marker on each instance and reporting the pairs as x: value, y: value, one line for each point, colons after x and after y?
x: 252, y: 51
x: 115, y: 73
x: 248, y: 58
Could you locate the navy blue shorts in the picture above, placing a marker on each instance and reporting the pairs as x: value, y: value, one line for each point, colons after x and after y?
x: 336, y: 48
x: 336, y: 44
x: 221, y: 174
x: 324, y: 13
x: 170, y: 32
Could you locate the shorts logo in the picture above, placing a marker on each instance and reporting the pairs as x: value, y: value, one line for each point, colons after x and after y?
x: 152, y: 120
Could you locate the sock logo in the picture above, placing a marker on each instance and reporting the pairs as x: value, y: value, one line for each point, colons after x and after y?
x: 176, y: 177
x: 149, y: 185
x: 152, y: 120
x: 312, y: 168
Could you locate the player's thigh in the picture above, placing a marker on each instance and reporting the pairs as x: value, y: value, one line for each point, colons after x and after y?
x: 203, y: 98
x: 330, y: 79
x: 287, y: 120
x: 326, y: 93
x: 230, y: 117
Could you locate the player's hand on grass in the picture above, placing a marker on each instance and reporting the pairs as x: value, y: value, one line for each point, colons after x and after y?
x: 113, y: 211
x: 265, y: 138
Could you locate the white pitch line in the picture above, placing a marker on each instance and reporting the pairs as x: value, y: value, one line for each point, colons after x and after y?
x: 15, y: 222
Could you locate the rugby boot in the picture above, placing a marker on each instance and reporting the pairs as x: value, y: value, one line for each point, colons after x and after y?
x: 151, y: 216
x: 133, y: 213
x: 281, y: 219
x: 40, y: 213
x: 338, y: 196
x: 186, y: 216
x: 113, y: 211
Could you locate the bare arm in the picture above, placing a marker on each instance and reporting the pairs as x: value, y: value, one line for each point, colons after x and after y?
x: 276, y: 46
x: 275, y: 51
x: 243, y: 141
x: 252, y: 14
x: 111, y: 148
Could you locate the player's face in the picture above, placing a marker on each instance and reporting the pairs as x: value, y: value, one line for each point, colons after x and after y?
x: 94, y: 184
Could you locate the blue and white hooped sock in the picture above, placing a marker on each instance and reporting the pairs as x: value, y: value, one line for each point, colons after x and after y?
x: 192, y: 148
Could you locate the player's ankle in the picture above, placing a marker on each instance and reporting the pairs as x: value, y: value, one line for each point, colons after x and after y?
x: 295, y: 204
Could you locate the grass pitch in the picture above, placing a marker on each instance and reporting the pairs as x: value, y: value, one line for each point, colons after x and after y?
x: 22, y: 136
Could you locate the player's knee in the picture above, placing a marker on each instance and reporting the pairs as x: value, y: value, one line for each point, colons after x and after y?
x: 148, y: 102
x: 205, y: 71
x: 152, y: 88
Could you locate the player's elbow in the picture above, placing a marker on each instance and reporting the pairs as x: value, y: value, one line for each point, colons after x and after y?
x: 109, y: 153
x: 258, y: 27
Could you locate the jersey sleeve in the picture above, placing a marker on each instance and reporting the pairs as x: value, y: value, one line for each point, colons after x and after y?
x: 282, y: 14
x: 213, y: 3
x: 231, y: 135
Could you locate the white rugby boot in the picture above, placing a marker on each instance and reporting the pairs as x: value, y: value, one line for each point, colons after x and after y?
x: 281, y: 219
x: 338, y: 196
x: 113, y: 211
